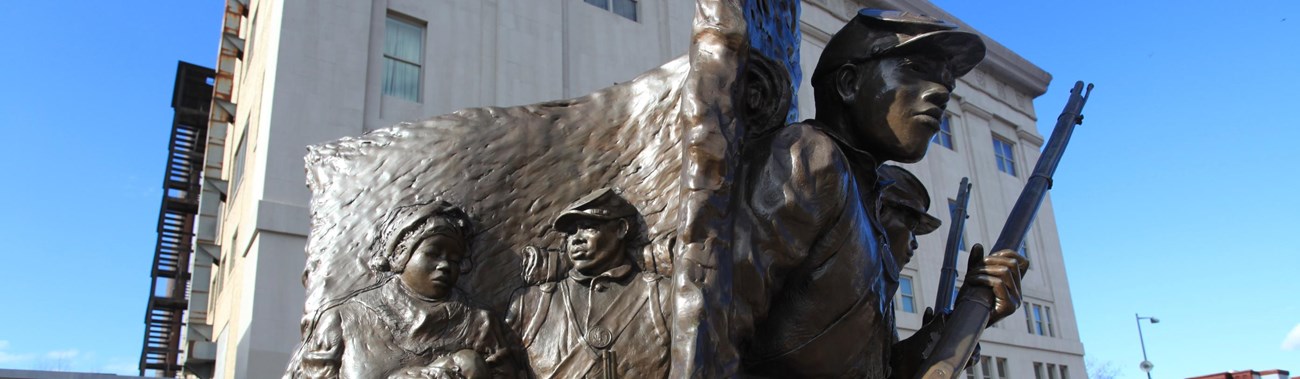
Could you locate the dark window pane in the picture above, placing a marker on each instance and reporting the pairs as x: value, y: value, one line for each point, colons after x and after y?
x: 625, y: 8
x: 603, y: 4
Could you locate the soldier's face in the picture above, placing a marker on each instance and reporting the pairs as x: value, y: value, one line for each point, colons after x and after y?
x: 900, y: 224
x: 896, y: 105
x: 434, y: 266
x: 596, y: 245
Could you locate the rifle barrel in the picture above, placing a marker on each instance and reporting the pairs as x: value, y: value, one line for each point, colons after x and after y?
x: 948, y: 275
x: 974, y: 307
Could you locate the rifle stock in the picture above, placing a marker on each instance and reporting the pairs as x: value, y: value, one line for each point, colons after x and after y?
x: 975, y: 305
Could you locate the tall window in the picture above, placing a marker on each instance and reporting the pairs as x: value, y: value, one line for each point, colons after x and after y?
x: 1029, y: 319
x: 237, y: 170
x: 1002, y: 369
x: 1038, y: 370
x: 1005, y: 156
x: 944, y: 137
x: 1038, y: 320
x: 906, y: 298
x: 625, y: 8
x: 403, y: 54
x: 986, y: 366
x: 1065, y: 373
x: 1051, y: 371
x: 1047, y: 319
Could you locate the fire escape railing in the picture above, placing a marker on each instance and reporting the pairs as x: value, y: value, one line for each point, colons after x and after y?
x: 165, y: 315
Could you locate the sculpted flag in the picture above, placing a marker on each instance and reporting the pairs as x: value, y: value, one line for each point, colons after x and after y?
x: 669, y: 140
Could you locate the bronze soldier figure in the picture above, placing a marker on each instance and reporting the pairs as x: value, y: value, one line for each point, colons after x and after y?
x: 814, y: 279
x: 413, y: 323
x: 607, y: 318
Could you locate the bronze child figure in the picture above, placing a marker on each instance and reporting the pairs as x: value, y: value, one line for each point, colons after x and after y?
x: 413, y: 323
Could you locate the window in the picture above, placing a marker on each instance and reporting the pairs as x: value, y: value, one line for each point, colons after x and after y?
x: 944, y: 137
x: 625, y: 8
x: 986, y: 368
x: 237, y: 168
x: 1051, y: 372
x: 952, y: 210
x: 1029, y: 320
x: 403, y: 54
x: 1038, y: 319
x: 1047, y: 318
x: 906, y: 297
x: 1005, y: 155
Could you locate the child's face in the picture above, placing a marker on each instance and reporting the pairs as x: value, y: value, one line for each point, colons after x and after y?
x: 434, y: 266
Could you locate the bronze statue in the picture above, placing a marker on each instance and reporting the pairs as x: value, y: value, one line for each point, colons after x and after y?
x: 737, y: 245
x: 413, y: 323
x: 607, y: 318
x: 816, y: 277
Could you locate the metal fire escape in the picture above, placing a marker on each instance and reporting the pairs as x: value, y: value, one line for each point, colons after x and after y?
x: 165, y: 316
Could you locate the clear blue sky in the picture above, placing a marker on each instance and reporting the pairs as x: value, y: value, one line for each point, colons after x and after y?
x: 1175, y: 199
x: 1178, y: 194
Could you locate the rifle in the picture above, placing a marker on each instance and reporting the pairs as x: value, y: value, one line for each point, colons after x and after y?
x: 971, y: 315
x: 948, y: 275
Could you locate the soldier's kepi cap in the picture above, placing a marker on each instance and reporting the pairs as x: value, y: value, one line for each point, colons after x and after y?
x: 875, y: 33
x: 904, y: 190
x: 603, y: 204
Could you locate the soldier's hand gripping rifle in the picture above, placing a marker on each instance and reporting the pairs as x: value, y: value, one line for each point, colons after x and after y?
x: 948, y: 275
x: 971, y: 315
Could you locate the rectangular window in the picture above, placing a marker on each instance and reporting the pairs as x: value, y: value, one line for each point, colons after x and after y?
x: 403, y: 57
x: 1051, y: 371
x: 237, y: 170
x: 986, y: 367
x: 970, y: 372
x: 944, y: 137
x: 1029, y: 320
x: 1065, y: 373
x: 625, y: 8
x: 1006, y: 157
x: 1047, y: 317
x: 1038, y: 320
x: 1002, y: 369
x: 952, y: 210
x: 907, y: 298
x: 1038, y: 370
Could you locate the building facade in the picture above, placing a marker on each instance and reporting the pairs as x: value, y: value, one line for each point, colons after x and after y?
x: 293, y: 73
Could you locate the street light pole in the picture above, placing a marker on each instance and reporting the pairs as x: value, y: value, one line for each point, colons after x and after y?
x: 1146, y: 364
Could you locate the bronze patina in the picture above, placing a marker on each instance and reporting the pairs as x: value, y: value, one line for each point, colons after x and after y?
x: 675, y: 225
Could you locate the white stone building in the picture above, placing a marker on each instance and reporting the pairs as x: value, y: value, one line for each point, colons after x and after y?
x: 296, y: 72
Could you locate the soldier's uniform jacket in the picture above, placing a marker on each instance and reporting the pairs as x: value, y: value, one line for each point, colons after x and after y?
x: 611, y: 325
x: 813, y: 280
x: 388, y: 329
